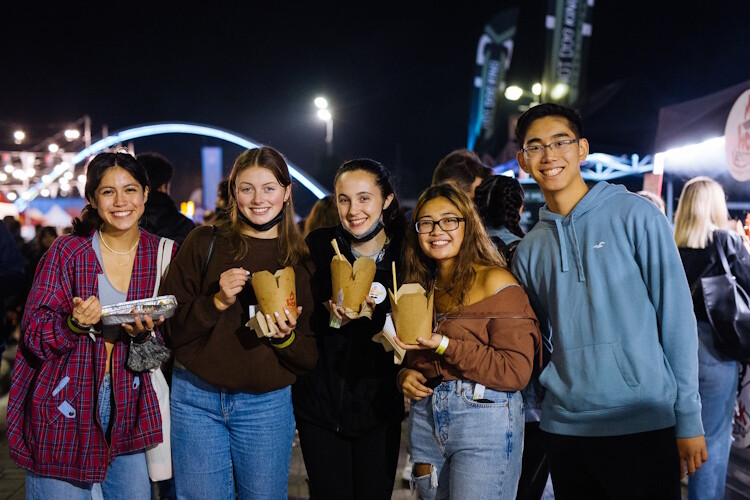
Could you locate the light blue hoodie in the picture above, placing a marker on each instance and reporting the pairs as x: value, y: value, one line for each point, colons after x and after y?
x: 607, y: 284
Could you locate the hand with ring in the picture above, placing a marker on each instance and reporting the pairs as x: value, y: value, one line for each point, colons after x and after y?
x: 86, y: 312
x: 141, y: 325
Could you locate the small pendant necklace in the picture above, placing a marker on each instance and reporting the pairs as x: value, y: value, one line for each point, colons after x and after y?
x: 101, y: 238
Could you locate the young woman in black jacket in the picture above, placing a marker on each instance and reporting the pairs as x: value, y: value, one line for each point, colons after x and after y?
x: 348, y: 409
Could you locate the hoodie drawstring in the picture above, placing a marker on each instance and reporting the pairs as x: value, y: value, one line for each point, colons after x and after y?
x: 563, y: 245
x: 579, y: 261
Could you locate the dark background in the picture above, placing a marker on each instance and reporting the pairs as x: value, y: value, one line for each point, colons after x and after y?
x: 398, y: 75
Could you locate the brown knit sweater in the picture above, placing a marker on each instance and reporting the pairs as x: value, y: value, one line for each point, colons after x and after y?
x: 491, y: 342
x: 216, y: 345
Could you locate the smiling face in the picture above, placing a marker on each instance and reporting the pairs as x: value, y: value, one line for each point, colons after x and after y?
x: 557, y: 173
x: 260, y: 196
x: 440, y: 245
x: 120, y: 201
x: 359, y: 201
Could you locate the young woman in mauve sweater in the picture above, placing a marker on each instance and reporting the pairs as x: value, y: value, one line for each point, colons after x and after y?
x: 232, y: 419
x: 466, y: 419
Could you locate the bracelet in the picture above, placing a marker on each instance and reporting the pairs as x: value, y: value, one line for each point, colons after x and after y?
x: 443, y: 345
x: 286, y: 343
x: 141, y: 337
x: 77, y: 327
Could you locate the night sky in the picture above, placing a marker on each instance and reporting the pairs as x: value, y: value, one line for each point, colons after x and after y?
x: 398, y: 75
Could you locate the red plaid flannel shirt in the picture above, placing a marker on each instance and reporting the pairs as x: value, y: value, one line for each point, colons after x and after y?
x: 53, y: 425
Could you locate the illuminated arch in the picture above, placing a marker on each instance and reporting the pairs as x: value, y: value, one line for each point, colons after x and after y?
x: 158, y: 129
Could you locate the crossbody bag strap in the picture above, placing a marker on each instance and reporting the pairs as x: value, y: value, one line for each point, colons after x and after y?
x: 723, y: 257
x: 208, y: 255
x: 163, y: 258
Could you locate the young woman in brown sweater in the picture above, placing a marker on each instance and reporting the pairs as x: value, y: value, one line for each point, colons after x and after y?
x: 232, y: 419
x: 466, y: 419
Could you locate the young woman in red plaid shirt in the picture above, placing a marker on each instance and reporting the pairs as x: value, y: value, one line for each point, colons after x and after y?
x: 78, y: 418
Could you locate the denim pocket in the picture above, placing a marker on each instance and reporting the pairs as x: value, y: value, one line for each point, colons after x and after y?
x: 499, y: 399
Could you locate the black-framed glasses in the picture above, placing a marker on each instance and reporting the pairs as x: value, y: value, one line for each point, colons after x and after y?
x: 446, y: 224
x: 537, y: 150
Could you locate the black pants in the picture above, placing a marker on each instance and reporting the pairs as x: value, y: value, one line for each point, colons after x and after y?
x: 342, y: 468
x: 535, y: 467
x: 633, y: 466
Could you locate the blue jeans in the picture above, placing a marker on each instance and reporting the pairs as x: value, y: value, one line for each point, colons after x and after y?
x: 717, y: 386
x: 127, y: 475
x: 218, y: 433
x: 474, y: 448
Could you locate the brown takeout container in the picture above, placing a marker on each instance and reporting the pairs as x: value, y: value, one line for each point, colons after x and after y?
x: 355, y: 281
x: 276, y: 292
x: 412, y: 313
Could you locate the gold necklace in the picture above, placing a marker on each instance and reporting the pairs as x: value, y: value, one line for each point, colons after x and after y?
x: 101, y: 238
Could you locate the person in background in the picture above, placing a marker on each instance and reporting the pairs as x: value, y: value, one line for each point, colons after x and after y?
x: 79, y: 419
x: 161, y: 216
x: 11, y: 280
x: 655, y: 199
x: 604, y: 276
x: 231, y: 402
x: 499, y: 202
x: 463, y: 169
x: 348, y: 408
x: 323, y: 214
x: 701, y: 223
x: 466, y: 432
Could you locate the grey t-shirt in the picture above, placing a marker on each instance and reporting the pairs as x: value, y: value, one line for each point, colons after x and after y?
x: 108, y: 294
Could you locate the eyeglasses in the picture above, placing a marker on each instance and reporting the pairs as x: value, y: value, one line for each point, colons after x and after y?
x: 446, y: 224
x: 537, y: 151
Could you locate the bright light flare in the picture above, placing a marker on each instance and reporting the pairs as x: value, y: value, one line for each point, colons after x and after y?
x: 513, y: 93
x: 559, y: 91
x: 72, y: 134
x: 53, y: 148
x: 19, y: 135
x: 536, y: 89
x: 324, y: 115
x: 321, y: 102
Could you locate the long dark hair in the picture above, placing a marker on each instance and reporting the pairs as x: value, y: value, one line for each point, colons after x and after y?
x: 498, y: 201
x: 476, y: 247
x: 89, y: 219
x: 393, y: 219
x: 292, y: 248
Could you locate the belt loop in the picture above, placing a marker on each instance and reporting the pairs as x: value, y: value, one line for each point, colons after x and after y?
x: 459, y: 383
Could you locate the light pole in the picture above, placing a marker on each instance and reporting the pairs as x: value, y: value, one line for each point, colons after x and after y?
x: 325, y: 114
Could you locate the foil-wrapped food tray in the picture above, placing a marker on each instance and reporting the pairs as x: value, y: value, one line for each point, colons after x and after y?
x: 124, y: 312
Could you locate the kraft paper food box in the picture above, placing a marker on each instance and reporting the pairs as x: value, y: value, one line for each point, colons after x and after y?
x: 412, y: 311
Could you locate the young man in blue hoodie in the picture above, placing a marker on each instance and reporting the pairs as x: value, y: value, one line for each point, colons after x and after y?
x: 620, y: 410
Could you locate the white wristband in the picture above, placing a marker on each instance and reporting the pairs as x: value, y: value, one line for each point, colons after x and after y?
x: 443, y: 346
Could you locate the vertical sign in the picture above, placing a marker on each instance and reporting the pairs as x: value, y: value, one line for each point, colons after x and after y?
x: 494, y: 52
x: 568, y: 24
x: 212, y: 174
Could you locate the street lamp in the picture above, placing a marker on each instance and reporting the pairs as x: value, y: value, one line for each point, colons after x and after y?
x: 325, y: 114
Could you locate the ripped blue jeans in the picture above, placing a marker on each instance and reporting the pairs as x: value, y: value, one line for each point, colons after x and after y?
x: 474, y: 448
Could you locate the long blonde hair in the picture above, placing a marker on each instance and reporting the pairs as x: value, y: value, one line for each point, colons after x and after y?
x: 702, y: 209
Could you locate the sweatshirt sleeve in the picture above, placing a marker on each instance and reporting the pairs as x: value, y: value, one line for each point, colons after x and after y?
x: 662, y: 271
x: 49, y: 303
x: 506, y: 361
x: 300, y: 353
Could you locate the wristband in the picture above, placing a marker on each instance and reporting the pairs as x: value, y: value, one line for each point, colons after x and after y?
x: 443, y: 345
x: 286, y: 343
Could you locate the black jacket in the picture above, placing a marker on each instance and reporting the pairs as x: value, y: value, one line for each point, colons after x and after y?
x: 162, y: 217
x: 352, y: 390
x: 702, y: 262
